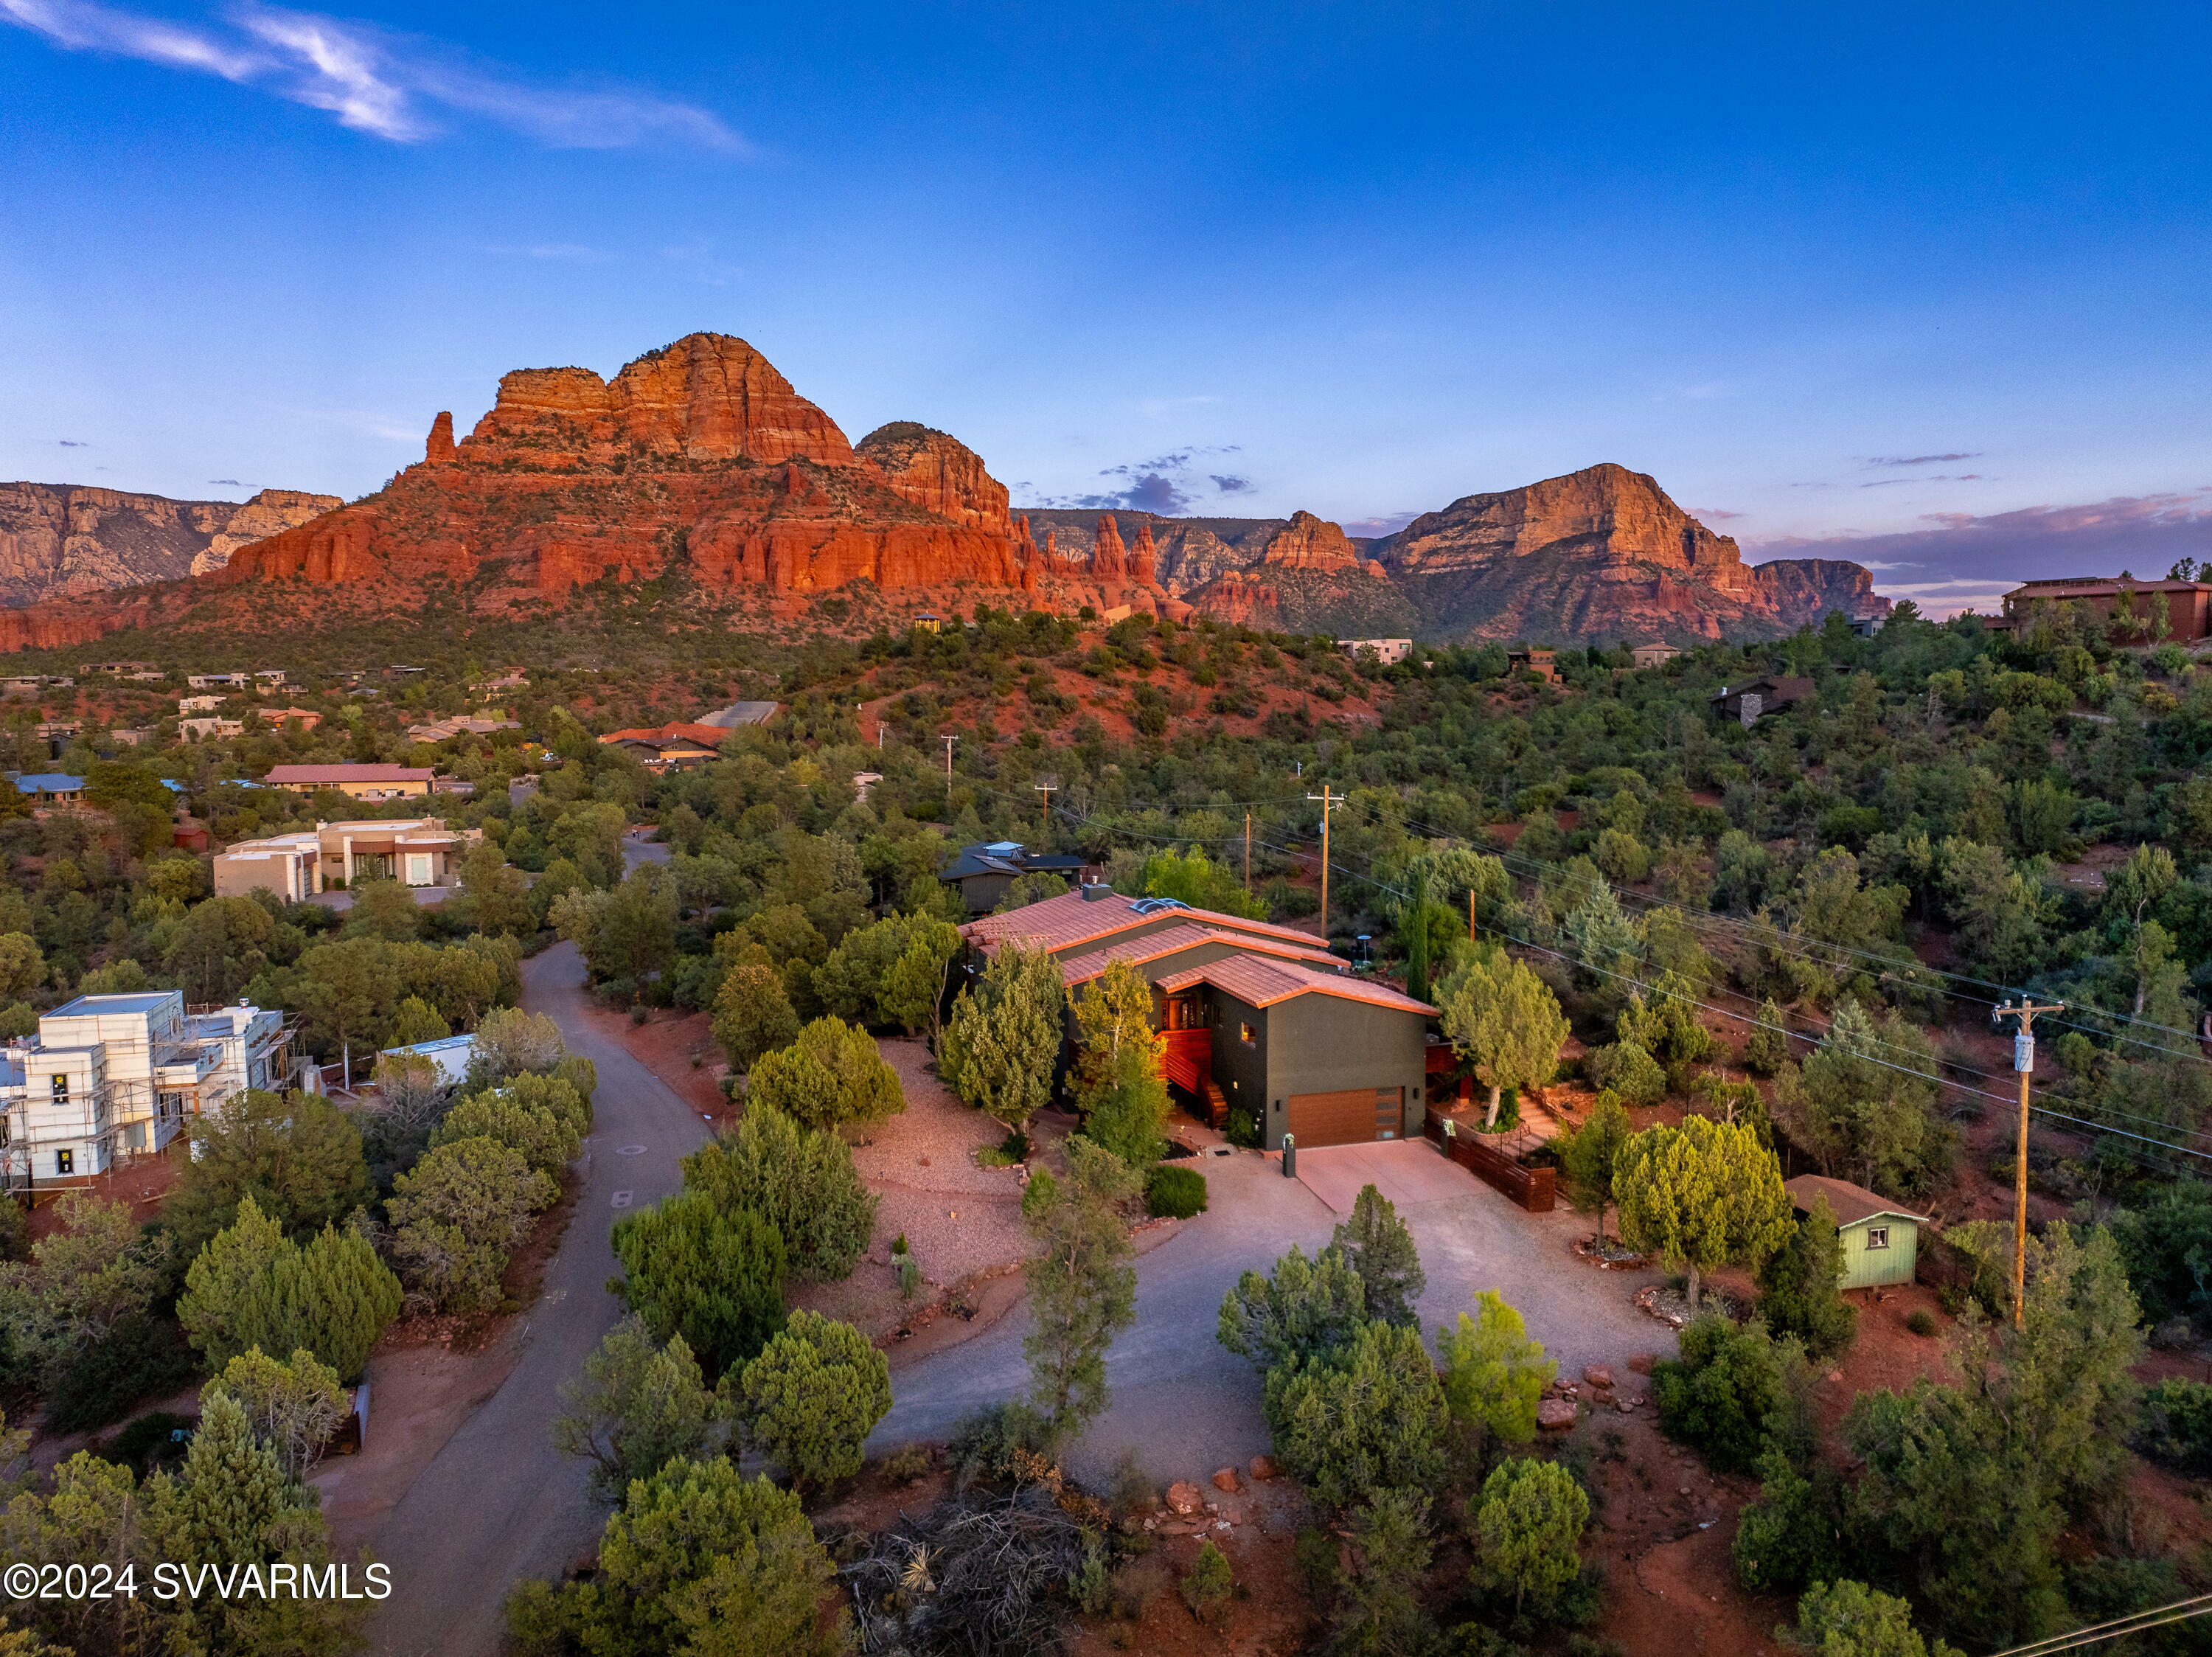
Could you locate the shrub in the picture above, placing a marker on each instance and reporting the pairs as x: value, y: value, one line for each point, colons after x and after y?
x: 1206, y: 1589
x: 2177, y: 1424
x: 1922, y: 1322
x: 1798, y: 1293
x: 1243, y: 1129
x: 800, y: 1181
x: 715, y: 1278
x: 831, y: 1074
x: 150, y: 1440
x: 1788, y: 1538
x: 1720, y: 1392
x: 138, y: 1357
x: 909, y: 1462
x: 1176, y: 1193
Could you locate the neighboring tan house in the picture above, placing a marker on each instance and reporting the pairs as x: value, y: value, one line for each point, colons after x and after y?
x: 305, y: 718
x: 984, y: 871
x: 1882, y: 1241
x: 2188, y: 603
x: 1539, y: 660
x: 361, y: 781
x: 676, y: 746
x: 200, y: 704
x: 112, y: 1077
x: 1654, y: 656
x: 418, y: 851
x: 439, y: 730
x: 201, y: 730
x: 131, y: 668
x: 1254, y: 1016
x: 1388, y: 651
x: 1749, y: 702
x: 230, y: 681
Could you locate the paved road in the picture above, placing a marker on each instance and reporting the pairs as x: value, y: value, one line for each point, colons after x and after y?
x: 739, y: 713
x: 1187, y: 1406
x: 496, y: 1503
x: 636, y: 848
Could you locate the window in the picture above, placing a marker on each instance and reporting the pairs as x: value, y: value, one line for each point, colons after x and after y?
x: 1246, y: 1035
x: 418, y: 868
x: 65, y: 1161
x: 61, y: 1089
x: 1877, y: 1236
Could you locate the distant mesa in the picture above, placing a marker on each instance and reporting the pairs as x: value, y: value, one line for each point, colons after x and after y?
x: 701, y: 458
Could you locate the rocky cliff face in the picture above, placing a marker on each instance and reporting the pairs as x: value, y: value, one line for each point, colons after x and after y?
x: 1310, y: 542
x: 1601, y: 555
x: 698, y: 455
x: 57, y: 538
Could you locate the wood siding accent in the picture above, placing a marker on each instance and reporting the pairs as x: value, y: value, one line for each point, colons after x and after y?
x: 1532, y: 1188
x: 1340, y: 1118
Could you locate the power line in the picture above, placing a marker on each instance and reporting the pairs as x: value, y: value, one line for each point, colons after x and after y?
x: 2096, y: 1633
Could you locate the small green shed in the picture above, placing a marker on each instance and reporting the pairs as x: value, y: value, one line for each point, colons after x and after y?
x: 1882, y: 1241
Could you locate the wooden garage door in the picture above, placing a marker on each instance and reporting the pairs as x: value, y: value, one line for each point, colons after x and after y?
x: 1349, y: 1118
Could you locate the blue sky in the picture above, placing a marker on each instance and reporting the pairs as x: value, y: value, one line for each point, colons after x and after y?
x: 1922, y: 286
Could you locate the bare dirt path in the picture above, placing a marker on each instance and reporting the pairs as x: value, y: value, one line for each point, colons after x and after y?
x: 496, y: 1503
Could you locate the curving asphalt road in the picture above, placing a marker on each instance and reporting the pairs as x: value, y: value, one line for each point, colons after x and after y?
x: 497, y: 1504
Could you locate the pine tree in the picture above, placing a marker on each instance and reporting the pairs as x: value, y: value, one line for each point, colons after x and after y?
x: 292, y: 1408
x: 1494, y: 1374
x: 638, y: 1404
x: 253, y: 1287
x: 1118, y: 1086
x: 753, y: 1015
x: 230, y: 1301
x: 1527, y: 1523
x: 1381, y: 1250
x: 1083, y: 1291
x: 1416, y: 928
x: 812, y: 1396
x: 1593, y: 1152
x: 1505, y: 1020
x: 1304, y: 1308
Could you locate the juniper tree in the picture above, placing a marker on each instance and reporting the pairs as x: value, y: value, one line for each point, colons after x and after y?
x: 813, y: 1396
x: 714, y: 1277
x: 832, y: 1074
x: 1305, y: 1307
x: 638, y: 1404
x: 801, y: 1181
x: 1003, y: 1039
x: 1381, y: 1250
x: 1506, y: 1021
x: 292, y: 1408
x: 1702, y: 1196
x: 1592, y: 1152
x: 1494, y: 1374
x: 1527, y: 1523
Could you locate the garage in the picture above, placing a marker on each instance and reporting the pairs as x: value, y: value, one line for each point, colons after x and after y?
x: 1353, y: 1116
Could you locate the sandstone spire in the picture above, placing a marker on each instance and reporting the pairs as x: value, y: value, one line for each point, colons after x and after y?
x: 1110, y: 559
x: 438, y: 451
x: 1147, y: 566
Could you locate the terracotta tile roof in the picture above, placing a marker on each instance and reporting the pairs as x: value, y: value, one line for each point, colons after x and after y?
x: 1059, y: 924
x: 1264, y: 982
x: 1155, y: 946
x: 310, y: 775
x: 1851, y: 1204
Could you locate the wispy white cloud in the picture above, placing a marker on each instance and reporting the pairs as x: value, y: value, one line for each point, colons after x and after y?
x: 574, y: 252
x: 390, y: 85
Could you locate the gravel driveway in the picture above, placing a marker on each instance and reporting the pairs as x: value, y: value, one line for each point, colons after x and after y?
x: 1186, y: 1405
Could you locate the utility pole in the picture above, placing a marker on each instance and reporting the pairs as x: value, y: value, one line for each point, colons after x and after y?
x: 1326, y: 805
x: 948, y: 742
x: 2023, y: 1060
x: 1044, y: 815
x: 1247, y: 857
x: 1470, y: 914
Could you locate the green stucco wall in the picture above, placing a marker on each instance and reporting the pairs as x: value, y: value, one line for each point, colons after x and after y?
x: 1317, y: 1044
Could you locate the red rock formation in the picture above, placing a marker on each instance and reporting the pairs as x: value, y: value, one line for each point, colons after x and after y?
x: 1244, y: 597
x: 1110, y: 559
x: 1310, y: 542
x: 439, y: 450
x: 571, y: 479
x: 937, y: 473
x: 1144, y: 566
x: 1599, y: 554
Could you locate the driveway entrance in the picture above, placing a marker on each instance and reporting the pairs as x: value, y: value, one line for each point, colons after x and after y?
x: 1403, y: 1170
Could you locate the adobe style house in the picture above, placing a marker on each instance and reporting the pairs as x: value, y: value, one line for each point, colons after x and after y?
x: 418, y: 851
x: 1882, y: 1241
x: 984, y: 871
x: 2188, y: 603
x: 1654, y: 656
x: 676, y: 746
x: 356, y: 781
x: 1747, y: 702
x: 1257, y: 1017
x: 1540, y: 660
x: 1388, y: 651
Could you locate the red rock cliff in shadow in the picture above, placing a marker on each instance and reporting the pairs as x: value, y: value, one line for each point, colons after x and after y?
x: 700, y: 454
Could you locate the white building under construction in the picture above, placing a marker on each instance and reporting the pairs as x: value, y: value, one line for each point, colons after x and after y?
x: 108, y: 1078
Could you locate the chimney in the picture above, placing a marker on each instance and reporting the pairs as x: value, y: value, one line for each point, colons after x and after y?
x: 1097, y: 891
